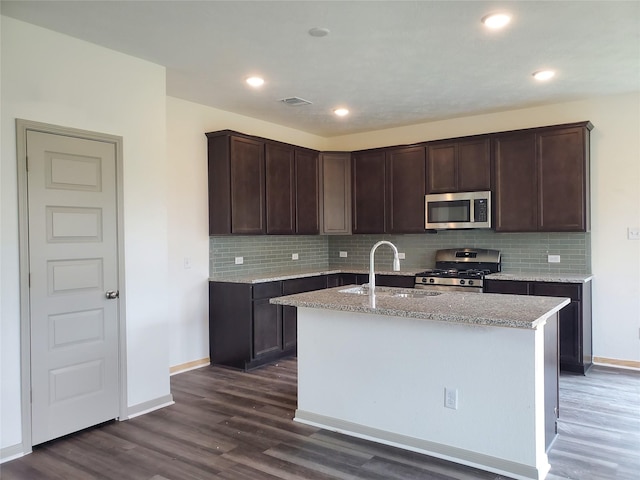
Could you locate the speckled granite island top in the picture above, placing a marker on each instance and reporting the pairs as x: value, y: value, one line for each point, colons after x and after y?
x: 515, y: 311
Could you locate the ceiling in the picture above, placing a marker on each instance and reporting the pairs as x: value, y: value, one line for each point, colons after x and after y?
x: 392, y: 63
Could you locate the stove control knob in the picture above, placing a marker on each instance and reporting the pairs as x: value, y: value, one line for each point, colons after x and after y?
x: 424, y: 280
x: 470, y: 282
x: 431, y: 280
x: 461, y: 282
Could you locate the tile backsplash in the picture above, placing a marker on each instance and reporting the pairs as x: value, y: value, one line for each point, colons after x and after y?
x: 266, y: 253
x: 521, y: 252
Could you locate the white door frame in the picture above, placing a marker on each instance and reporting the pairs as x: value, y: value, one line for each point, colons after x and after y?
x: 22, y: 126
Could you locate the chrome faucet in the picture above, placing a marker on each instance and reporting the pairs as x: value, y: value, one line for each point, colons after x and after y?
x: 372, y: 273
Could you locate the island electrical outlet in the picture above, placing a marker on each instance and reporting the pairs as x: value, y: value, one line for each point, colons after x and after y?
x: 451, y: 398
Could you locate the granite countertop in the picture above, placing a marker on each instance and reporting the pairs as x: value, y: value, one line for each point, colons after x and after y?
x: 542, y: 277
x: 515, y: 311
x: 277, y: 275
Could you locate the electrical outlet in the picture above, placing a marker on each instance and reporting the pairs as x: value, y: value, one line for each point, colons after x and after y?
x: 294, y: 256
x: 451, y: 398
x: 343, y: 254
x: 633, y: 233
x: 187, y: 262
x: 239, y: 260
x: 553, y: 258
x: 401, y: 255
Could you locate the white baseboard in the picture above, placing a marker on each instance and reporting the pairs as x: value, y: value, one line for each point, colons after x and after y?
x: 465, y: 457
x: 12, y: 452
x: 149, y: 406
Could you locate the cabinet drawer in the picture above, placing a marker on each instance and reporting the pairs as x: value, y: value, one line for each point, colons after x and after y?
x: 299, y: 285
x: 510, y: 287
x: 267, y: 290
x: 557, y: 290
x: 399, y: 281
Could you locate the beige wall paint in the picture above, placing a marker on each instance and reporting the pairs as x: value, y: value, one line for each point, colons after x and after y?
x: 615, y: 198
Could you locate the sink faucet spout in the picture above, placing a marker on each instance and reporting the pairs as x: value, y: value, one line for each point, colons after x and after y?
x: 372, y: 273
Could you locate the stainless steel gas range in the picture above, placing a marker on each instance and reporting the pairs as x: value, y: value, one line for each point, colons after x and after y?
x: 460, y: 269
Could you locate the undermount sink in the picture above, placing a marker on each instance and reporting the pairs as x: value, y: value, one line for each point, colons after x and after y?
x: 390, y: 292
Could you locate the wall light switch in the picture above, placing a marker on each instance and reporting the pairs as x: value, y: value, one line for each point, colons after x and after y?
x: 401, y: 255
x: 239, y: 260
x: 343, y: 254
x: 633, y: 233
x: 553, y: 258
x: 294, y: 256
x: 187, y: 262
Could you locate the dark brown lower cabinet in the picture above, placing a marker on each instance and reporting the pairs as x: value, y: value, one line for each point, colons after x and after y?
x: 576, y: 354
x: 246, y: 331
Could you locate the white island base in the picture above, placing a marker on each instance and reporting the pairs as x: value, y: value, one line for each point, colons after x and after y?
x: 383, y: 378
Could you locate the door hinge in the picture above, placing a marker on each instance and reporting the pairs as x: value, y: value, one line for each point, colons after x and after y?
x: 30, y: 396
x: 27, y: 161
x: 29, y: 280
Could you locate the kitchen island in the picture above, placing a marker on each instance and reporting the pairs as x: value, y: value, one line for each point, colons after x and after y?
x: 467, y: 377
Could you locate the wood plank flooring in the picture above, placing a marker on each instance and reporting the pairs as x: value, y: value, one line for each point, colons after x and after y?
x: 230, y: 425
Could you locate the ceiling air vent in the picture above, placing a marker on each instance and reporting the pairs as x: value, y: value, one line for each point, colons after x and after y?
x: 295, y: 101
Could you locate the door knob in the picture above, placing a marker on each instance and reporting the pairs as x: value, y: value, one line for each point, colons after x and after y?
x: 111, y: 294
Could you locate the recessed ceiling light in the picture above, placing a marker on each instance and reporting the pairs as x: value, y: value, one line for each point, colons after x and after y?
x: 319, y: 32
x: 255, y: 81
x: 341, y: 112
x: 543, y: 75
x: 496, y: 20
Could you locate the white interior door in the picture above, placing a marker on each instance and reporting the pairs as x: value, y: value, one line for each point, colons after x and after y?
x: 73, y: 263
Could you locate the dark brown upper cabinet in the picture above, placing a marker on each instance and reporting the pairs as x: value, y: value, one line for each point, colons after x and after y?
x: 259, y: 186
x: 280, y: 189
x: 459, y: 165
x: 368, y: 191
x: 514, y: 198
x: 405, y: 189
x: 388, y: 190
x: 292, y: 190
x: 236, y: 184
x: 563, y: 179
x: 307, y: 211
x: 542, y: 179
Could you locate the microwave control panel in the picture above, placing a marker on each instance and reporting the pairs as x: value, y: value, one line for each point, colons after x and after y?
x: 480, y: 210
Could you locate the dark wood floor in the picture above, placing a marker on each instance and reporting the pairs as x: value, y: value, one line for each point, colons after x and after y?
x: 237, y: 426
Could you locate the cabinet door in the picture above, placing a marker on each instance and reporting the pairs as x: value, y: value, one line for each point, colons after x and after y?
x: 474, y: 165
x: 335, y: 193
x: 405, y: 177
x: 267, y: 327
x: 280, y: 189
x: 219, y: 170
x: 563, y: 180
x: 306, y: 188
x: 442, y: 172
x: 368, y: 183
x: 247, y: 186
x: 515, y: 198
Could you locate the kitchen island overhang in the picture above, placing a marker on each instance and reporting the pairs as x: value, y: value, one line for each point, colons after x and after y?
x: 380, y: 373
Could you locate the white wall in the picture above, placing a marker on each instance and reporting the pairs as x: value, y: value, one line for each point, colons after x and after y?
x: 52, y: 78
x: 187, y: 124
x: 615, y: 199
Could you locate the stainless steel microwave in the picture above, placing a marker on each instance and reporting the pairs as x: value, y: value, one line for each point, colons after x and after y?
x: 457, y: 210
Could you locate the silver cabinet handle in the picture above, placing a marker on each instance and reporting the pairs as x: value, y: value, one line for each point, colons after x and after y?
x: 111, y: 294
